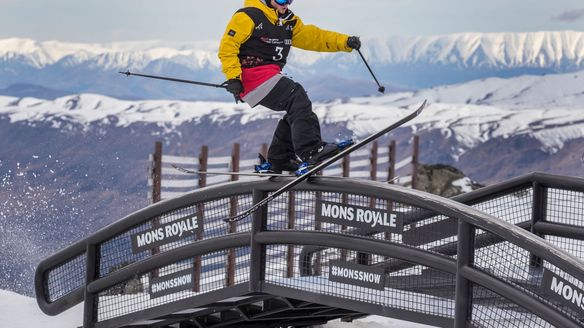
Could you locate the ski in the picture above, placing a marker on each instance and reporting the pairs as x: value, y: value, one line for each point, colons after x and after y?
x: 248, y: 174
x: 259, y: 175
x: 320, y: 166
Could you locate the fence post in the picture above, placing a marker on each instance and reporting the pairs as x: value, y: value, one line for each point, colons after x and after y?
x: 390, y: 177
x: 233, y: 204
x: 373, y: 159
x: 156, y: 191
x: 392, y: 160
x: 346, y: 167
x: 197, y: 265
x: 415, y: 161
x: 156, y: 172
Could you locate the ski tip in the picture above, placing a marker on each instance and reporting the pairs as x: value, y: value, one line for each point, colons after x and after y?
x: 421, y: 108
x: 126, y: 73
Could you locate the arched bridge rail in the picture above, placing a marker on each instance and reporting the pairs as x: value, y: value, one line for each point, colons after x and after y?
x: 333, y: 249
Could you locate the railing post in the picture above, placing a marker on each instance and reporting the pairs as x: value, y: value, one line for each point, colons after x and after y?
x: 465, y: 258
x: 257, y: 269
x: 156, y: 172
x: 92, y: 273
x: 538, y: 214
x: 233, y: 204
x: 291, y: 225
x: 415, y: 161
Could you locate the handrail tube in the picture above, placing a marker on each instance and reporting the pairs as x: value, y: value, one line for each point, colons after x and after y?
x: 163, y: 259
x: 560, y: 230
x: 359, y: 244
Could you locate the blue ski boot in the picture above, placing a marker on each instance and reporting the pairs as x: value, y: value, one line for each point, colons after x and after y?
x: 275, y: 166
x: 323, y: 152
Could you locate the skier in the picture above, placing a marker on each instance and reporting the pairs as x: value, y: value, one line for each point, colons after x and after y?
x: 253, y: 52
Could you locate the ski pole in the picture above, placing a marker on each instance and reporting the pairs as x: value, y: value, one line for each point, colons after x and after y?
x: 381, y: 88
x: 128, y: 73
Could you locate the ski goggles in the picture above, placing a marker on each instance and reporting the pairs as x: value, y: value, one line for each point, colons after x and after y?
x: 284, y: 2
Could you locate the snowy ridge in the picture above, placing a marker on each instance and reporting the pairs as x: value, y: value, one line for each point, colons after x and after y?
x: 489, y: 50
x: 472, y: 113
x: 550, y: 91
x: 535, y: 49
x: 132, y: 55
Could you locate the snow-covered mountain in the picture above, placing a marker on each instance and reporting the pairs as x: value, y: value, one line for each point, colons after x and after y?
x: 405, y: 62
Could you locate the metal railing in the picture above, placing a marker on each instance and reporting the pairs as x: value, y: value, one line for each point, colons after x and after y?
x: 443, y: 263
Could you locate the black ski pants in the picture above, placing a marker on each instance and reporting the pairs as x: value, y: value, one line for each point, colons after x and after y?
x: 298, y: 132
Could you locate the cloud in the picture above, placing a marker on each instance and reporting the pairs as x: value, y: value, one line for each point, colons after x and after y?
x: 570, y: 15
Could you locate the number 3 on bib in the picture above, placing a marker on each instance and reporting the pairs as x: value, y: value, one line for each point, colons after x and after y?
x: 279, y: 55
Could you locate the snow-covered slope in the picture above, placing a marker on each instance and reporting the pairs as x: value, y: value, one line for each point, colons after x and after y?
x: 524, y: 92
x: 17, y: 311
x: 545, y: 107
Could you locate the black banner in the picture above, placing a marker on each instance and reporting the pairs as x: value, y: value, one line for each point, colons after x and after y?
x: 172, y: 283
x: 372, y: 219
x: 165, y: 234
x: 563, y: 291
x: 356, y: 274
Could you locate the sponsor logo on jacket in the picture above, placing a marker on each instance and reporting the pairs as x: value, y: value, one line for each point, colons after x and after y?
x: 276, y: 41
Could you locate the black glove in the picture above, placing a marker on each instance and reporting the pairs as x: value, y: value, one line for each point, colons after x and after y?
x: 354, y: 42
x: 234, y: 86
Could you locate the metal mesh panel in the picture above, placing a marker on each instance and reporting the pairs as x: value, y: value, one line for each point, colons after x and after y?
x: 135, y: 295
x: 491, y: 310
x: 417, y: 288
x: 297, y: 212
x: 117, y: 252
x: 514, y: 208
x: 511, y: 264
x: 572, y: 246
x: 565, y: 206
x: 67, y: 277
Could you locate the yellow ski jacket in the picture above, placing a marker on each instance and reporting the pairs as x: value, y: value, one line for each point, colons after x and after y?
x: 241, y: 27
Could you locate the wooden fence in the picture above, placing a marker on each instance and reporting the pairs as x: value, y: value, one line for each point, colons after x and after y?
x: 373, y: 163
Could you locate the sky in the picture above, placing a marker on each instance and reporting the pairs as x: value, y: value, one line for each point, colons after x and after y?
x: 197, y: 20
